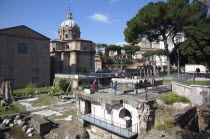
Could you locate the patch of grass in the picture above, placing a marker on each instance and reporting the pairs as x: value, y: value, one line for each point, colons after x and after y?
x: 67, y: 113
x: 167, y: 81
x: 171, y: 98
x: 13, y: 109
x: 43, y: 89
x: 43, y: 100
x: 165, y: 125
x: 20, y: 93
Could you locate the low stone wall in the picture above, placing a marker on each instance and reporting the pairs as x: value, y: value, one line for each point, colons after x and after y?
x: 199, y: 95
x: 128, y: 83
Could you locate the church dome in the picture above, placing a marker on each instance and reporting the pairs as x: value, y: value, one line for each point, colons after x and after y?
x: 69, y: 21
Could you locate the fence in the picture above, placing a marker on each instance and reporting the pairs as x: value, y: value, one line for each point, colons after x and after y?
x: 192, y: 79
x: 109, y: 125
x: 187, y: 79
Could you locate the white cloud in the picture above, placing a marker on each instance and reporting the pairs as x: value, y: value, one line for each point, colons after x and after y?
x: 100, y: 18
x: 114, y: 1
x: 121, y: 43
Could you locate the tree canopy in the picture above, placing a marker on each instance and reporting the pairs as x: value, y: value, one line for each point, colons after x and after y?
x: 112, y: 47
x: 159, y: 21
x: 196, y: 49
x: 130, y: 50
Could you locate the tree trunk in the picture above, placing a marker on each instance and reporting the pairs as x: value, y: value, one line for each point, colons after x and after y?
x: 168, y: 56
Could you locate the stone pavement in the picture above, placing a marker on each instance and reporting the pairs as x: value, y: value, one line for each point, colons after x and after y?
x: 107, y: 96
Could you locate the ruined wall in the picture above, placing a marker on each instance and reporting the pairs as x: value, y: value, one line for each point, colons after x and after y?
x: 74, y: 83
x: 199, y: 95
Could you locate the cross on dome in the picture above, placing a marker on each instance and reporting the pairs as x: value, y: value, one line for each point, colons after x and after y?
x: 69, y: 14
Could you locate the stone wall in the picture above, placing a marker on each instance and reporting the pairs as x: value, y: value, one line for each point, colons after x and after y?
x: 199, y: 95
x: 24, y: 68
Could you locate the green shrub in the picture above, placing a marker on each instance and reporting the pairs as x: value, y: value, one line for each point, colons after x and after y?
x: 63, y: 84
x: 31, y: 85
x: 171, y: 98
x: 30, y: 91
x: 108, y: 60
x: 81, y: 69
x: 127, y: 61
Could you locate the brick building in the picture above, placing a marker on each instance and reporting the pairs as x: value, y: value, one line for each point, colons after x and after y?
x: 24, y: 56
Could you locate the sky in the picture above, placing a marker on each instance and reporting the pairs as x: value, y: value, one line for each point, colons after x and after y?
x: 101, y: 21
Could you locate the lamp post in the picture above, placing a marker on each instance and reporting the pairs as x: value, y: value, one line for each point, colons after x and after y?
x: 178, y: 60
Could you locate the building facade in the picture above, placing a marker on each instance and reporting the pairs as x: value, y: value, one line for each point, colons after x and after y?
x: 70, y: 51
x: 24, y: 57
x: 98, y: 63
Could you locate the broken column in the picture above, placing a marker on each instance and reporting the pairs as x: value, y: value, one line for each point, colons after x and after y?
x: 7, y: 91
x: 146, y: 116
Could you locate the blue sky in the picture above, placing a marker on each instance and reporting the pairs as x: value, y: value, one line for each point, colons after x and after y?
x: 102, y: 21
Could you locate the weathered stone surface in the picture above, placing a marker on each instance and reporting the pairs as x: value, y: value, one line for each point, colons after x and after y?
x: 17, y: 117
x: 20, y: 122
x: 88, y: 91
x: 26, y: 118
x: 184, y: 117
x: 204, y: 118
x: 147, y: 116
x: 199, y: 95
x: 7, y: 91
x: 29, y: 130
x: 3, y: 102
x: 25, y: 127
x: 79, y: 134
x: 15, y: 121
x: 30, y: 134
x: 184, y: 134
x: 40, y: 124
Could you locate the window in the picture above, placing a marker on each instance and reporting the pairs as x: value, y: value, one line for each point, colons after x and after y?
x: 66, y: 36
x: 67, y: 46
x: 22, y: 48
x: 74, y: 36
x: 84, y: 48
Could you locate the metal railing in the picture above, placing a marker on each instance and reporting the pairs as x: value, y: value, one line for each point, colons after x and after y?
x: 187, y: 79
x: 109, y: 125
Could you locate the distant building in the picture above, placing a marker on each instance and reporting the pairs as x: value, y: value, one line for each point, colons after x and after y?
x: 70, y: 51
x: 98, y: 63
x: 113, y: 53
x: 145, y: 46
x: 24, y: 56
x: 180, y: 37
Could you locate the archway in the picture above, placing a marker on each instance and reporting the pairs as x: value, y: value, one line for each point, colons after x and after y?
x: 126, y: 115
x: 87, y: 107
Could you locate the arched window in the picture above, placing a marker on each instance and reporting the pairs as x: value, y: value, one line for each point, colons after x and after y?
x: 124, y: 112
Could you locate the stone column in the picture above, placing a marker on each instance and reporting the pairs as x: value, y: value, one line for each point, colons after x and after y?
x: 73, y: 62
x: 7, y: 91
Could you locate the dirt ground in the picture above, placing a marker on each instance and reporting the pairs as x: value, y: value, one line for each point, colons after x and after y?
x: 62, y: 114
